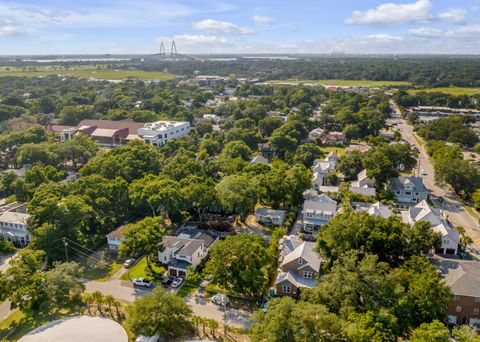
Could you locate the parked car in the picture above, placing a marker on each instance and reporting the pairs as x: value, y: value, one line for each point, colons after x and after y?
x: 205, y: 282
x: 167, y: 281
x: 423, y: 173
x: 176, y: 283
x: 142, y: 282
x: 220, y: 299
x: 129, y: 263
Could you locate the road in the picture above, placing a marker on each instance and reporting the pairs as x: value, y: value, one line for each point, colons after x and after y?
x: 5, y: 306
x: 452, y: 207
x: 123, y: 289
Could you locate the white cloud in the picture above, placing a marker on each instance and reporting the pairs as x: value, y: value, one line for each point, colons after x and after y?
x: 216, y: 26
x: 452, y: 15
x: 382, y: 37
x: 10, y: 30
x: 188, y: 38
x: 263, y: 21
x: 393, y: 13
x: 467, y: 31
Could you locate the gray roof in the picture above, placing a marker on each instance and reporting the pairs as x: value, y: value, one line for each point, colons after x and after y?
x: 306, y: 251
x: 184, y: 246
x: 463, y: 276
x: 399, y: 182
x: 271, y: 213
x: 198, y: 234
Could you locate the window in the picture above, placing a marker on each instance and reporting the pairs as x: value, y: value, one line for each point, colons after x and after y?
x: 456, y: 297
x: 417, y: 193
x: 475, y: 311
x: 477, y: 299
x: 300, y: 261
x: 397, y: 192
x: 308, y: 275
x: 458, y: 309
x: 408, y: 193
x: 286, y: 289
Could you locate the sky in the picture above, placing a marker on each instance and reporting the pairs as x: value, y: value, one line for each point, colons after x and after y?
x: 240, y: 26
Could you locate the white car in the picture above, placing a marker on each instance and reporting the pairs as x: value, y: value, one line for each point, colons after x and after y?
x: 176, y: 283
x: 220, y: 299
x: 142, y: 282
x: 423, y: 173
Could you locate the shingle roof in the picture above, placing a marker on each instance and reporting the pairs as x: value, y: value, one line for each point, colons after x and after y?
x: 463, y: 276
x: 306, y: 251
x: 399, y: 182
x: 184, y: 246
x: 14, y: 217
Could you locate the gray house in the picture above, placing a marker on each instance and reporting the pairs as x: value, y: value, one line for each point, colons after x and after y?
x: 317, y: 211
x: 408, y: 190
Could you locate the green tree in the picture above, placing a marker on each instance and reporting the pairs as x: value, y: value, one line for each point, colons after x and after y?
x: 160, y: 313
x: 235, y: 149
x: 307, y: 153
x: 431, y: 332
x: 143, y: 237
x: 239, y: 263
x: 63, y: 286
x: 237, y: 193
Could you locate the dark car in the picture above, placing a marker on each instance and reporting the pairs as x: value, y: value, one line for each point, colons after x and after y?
x: 167, y: 281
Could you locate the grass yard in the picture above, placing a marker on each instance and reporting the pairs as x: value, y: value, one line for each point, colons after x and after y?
x: 138, y: 270
x: 18, y: 323
x: 372, y: 84
x: 449, y: 90
x: 85, y: 72
x: 102, y: 274
x: 340, y: 150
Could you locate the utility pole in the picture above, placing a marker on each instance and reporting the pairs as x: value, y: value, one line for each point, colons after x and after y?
x: 65, y: 244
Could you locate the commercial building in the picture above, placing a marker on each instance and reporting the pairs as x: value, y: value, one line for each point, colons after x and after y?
x: 115, y: 133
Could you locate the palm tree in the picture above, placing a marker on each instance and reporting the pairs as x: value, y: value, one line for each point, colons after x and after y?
x: 195, y: 321
x: 213, y: 325
x: 465, y: 240
x: 117, y: 305
x: 109, y: 300
x: 97, y: 297
x: 87, y: 299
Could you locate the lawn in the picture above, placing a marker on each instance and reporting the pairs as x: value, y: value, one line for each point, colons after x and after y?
x: 372, y: 84
x: 138, y: 271
x: 18, y: 323
x: 340, y: 150
x: 82, y: 72
x: 103, y: 273
x: 449, y: 90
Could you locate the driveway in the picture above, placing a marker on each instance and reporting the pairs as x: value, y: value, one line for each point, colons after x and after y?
x: 451, y: 205
x: 204, y: 308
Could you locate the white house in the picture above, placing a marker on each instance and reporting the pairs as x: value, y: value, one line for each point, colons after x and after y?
x: 183, y: 253
x: 363, y: 185
x: 376, y: 209
x: 424, y: 212
x: 323, y: 167
x: 115, y: 239
x: 14, y: 228
x: 316, y: 134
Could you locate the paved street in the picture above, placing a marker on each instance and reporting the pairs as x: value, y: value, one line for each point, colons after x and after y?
x: 5, y: 306
x: 453, y: 208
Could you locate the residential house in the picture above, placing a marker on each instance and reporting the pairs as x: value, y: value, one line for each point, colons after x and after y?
x: 323, y: 167
x: 334, y: 139
x: 299, y: 266
x: 213, y: 117
x: 14, y: 227
x: 115, y: 239
x: 463, y: 278
x: 259, y: 160
x: 317, y: 211
x: 183, y: 253
x: 408, y: 190
x: 267, y: 151
x: 376, y: 209
x: 316, y: 135
x: 270, y: 216
x: 424, y: 212
x: 363, y: 185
